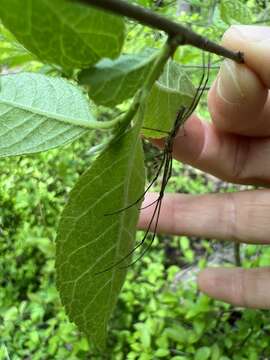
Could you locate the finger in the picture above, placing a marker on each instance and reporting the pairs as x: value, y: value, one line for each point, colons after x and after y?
x: 254, y: 42
x: 238, y: 100
x: 239, y: 287
x: 233, y: 158
x: 241, y: 217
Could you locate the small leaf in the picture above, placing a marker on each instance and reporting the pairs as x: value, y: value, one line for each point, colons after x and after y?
x: 215, y: 352
x: 169, y: 93
x: 162, y: 353
x: 110, y: 82
x: 234, y: 12
x: 203, y: 353
x: 62, y: 32
x: 144, y: 334
x: 89, y: 241
x: 177, y: 333
x: 39, y: 112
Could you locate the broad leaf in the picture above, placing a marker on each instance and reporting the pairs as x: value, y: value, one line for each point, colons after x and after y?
x: 234, y: 12
x: 89, y: 241
x: 169, y: 93
x: 39, y: 112
x: 63, y: 32
x: 110, y: 82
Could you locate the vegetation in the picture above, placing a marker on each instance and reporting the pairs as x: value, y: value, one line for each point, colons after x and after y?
x: 160, y: 313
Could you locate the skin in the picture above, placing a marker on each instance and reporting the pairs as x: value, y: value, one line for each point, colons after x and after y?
x: 235, y: 147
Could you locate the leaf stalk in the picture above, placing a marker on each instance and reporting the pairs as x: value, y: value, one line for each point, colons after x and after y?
x: 165, y: 53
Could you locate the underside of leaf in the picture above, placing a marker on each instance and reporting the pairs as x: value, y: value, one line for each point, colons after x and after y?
x: 90, y: 241
x: 39, y: 112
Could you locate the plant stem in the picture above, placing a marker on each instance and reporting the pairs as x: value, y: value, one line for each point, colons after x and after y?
x: 154, y: 20
x: 237, y: 255
x: 165, y: 53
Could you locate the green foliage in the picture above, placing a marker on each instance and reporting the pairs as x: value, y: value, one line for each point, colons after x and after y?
x: 31, y: 196
x: 64, y: 33
x: 51, y: 112
x: 38, y: 112
x: 155, y: 317
x: 32, y: 192
x: 235, y: 12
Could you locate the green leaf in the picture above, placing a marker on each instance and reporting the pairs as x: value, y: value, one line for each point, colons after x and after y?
x: 235, y: 12
x: 215, y: 352
x: 162, y: 353
x: 145, y: 335
x: 62, y: 32
x: 89, y: 242
x: 177, y: 333
x: 169, y: 93
x: 203, y: 353
x: 39, y: 112
x: 110, y: 82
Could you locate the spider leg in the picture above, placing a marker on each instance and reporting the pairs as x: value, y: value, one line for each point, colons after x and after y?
x: 145, y: 191
x: 166, y: 165
x: 156, y: 214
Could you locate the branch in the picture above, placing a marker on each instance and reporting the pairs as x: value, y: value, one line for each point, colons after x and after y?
x: 173, y: 29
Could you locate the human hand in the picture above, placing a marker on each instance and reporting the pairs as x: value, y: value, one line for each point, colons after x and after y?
x: 235, y: 147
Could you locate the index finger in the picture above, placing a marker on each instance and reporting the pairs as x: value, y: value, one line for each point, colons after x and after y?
x: 239, y: 99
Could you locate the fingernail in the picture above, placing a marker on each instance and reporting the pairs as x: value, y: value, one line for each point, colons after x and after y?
x: 228, y: 85
x: 252, y: 33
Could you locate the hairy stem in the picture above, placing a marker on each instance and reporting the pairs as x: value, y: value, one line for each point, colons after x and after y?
x: 154, y: 20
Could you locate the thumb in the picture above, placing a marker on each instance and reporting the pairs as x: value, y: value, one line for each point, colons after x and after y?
x: 238, y: 100
x: 254, y: 41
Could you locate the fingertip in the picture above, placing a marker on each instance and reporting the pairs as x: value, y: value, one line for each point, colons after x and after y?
x: 216, y: 283
x: 237, y: 84
x: 237, y: 286
x: 238, y: 97
x: 236, y: 100
x: 206, y: 280
x: 254, y: 42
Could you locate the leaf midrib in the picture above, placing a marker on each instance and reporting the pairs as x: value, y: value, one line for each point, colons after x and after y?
x: 48, y: 115
x: 121, y: 220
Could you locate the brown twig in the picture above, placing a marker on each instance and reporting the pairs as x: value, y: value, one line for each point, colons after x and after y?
x: 173, y: 29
